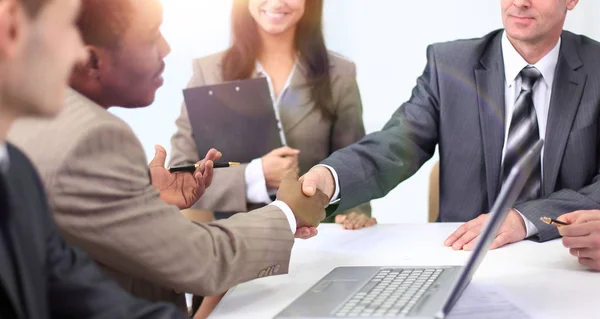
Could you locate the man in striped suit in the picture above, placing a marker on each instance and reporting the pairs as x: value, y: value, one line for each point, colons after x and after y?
x: 96, y: 175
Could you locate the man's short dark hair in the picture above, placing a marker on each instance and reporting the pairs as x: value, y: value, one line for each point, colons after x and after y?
x: 102, y: 22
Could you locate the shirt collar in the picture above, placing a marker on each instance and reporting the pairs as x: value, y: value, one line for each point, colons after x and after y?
x: 4, y: 160
x: 514, y: 62
x: 260, y: 71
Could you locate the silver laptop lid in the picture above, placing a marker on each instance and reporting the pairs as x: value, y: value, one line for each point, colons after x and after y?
x: 509, y: 193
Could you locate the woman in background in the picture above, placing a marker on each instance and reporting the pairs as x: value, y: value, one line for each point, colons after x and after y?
x: 314, y: 92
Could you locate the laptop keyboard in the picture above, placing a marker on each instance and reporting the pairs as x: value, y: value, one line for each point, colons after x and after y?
x: 391, y: 293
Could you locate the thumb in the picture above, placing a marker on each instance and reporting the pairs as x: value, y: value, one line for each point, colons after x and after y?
x: 569, y: 218
x: 310, y: 182
x: 160, y: 156
x: 339, y: 219
x: 500, y: 240
x: 285, y: 151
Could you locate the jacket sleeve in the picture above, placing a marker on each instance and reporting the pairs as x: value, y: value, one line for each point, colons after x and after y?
x: 348, y: 126
x: 104, y: 203
x: 372, y: 167
x: 79, y: 289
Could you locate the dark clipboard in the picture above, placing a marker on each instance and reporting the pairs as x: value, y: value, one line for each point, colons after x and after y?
x: 237, y: 118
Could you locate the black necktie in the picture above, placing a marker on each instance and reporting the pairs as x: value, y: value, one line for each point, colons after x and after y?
x: 523, y: 133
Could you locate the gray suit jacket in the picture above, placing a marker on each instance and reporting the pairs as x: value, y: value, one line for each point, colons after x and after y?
x: 305, y: 128
x: 96, y: 175
x: 458, y: 104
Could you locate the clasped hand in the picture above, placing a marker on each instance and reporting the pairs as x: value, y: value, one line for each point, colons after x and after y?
x: 309, y: 211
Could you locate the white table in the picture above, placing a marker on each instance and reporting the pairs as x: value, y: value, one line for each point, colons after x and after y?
x: 541, y: 279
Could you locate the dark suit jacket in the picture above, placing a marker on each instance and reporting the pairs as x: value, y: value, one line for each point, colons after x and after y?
x: 458, y: 104
x: 40, y: 276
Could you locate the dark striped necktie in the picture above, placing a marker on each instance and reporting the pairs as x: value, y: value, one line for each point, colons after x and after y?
x: 523, y: 133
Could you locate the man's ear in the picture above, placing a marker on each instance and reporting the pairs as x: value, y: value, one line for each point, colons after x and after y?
x: 13, y: 22
x: 91, y: 67
x: 571, y: 4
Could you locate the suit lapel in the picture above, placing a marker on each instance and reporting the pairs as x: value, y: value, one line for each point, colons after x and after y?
x: 566, y: 95
x: 296, y: 102
x: 8, y: 276
x: 490, y: 98
x: 21, y: 257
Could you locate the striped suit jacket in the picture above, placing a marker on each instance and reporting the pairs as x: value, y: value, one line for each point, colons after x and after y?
x: 96, y: 175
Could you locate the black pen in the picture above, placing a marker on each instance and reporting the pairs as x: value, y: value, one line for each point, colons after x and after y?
x: 551, y: 221
x: 192, y: 167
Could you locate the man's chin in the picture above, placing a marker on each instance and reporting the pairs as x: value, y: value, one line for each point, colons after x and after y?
x: 140, y: 103
x: 522, y: 34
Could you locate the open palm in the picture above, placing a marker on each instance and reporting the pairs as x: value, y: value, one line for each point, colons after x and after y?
x: 181, y: 189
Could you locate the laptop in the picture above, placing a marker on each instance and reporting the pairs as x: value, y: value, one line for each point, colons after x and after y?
x: 409, y: 292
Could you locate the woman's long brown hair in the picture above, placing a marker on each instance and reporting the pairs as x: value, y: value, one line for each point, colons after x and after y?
x: 240, y: 59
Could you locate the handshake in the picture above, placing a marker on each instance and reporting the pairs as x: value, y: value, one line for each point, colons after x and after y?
x: 307, y: 197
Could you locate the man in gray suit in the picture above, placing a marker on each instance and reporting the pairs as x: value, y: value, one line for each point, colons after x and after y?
x: 483, y: 101
x: 96, y: 175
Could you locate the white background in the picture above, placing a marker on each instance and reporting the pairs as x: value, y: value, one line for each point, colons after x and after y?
x: 385, y: 38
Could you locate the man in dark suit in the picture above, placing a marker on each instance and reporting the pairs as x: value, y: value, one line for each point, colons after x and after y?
x: 483, y: 101
x: 40, y: 276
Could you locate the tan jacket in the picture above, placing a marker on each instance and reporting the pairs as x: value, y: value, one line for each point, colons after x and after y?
x: 96, y: 175
x: 304, y: 126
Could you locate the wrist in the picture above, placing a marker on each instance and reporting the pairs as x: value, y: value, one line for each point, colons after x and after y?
x: 267, y: 175
x: 521, y: 220
x: 329, y: 189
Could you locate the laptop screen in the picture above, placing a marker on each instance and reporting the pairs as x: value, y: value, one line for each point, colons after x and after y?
x: 504, y: 202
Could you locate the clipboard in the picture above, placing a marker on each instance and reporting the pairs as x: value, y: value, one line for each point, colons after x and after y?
x: 237, y: 118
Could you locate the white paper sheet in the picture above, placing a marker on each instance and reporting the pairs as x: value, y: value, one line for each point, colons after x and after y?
x: 480, y: 302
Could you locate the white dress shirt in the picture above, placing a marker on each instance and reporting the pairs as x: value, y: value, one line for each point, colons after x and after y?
x: 542, y: 92
x: 4, y: 160
x: 256, y: 186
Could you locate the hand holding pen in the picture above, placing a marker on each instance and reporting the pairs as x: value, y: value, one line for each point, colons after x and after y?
x: 581, y: 235
x: 182, y: 190
x: 551, y: 221
x: 193, y: 167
